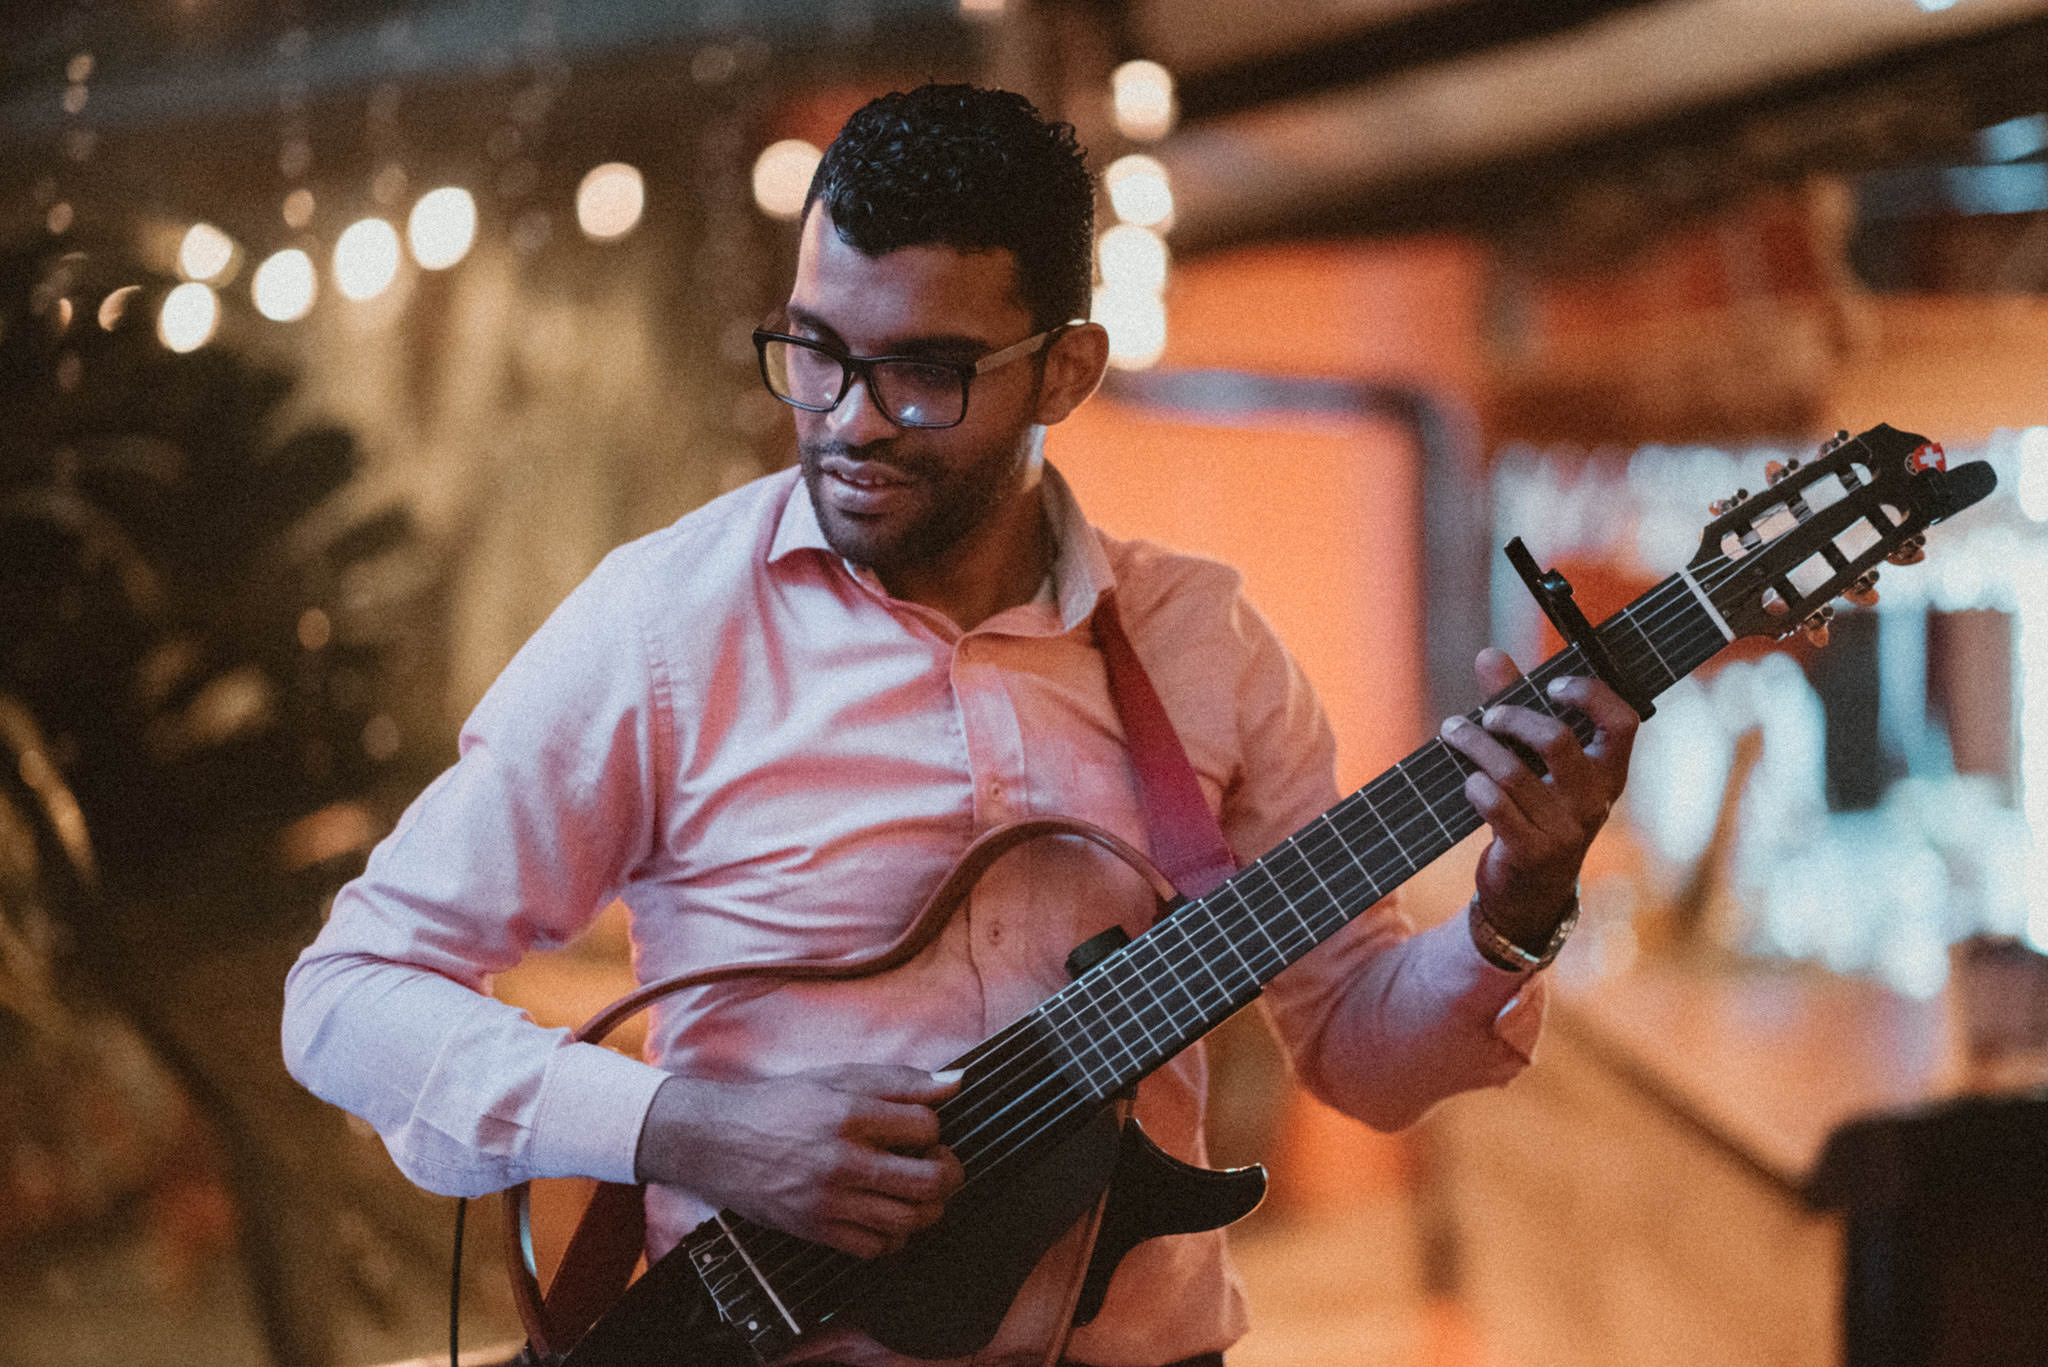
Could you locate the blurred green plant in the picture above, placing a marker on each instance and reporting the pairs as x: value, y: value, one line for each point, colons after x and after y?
x: 203, y: 624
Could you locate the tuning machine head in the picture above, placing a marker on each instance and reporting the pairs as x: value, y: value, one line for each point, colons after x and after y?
x: 1863, y: 593
x: 1832, y: 443
x: 1722, y: 505
x: 1911, y: 551
x: 1815, y: 628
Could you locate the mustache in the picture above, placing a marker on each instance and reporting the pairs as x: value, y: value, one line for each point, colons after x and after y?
x: 814, y: 454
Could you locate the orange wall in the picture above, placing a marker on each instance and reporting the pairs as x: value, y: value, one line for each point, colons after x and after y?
x: 1318, y: 513
x: 1952, y: 368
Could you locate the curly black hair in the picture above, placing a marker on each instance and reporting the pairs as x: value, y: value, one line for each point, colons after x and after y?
x: 972, y: 169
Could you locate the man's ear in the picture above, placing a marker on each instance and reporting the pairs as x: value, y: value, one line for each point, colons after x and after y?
x: 1073, y: 368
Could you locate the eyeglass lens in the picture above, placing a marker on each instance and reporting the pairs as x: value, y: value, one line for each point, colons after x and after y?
x: 909, y: 393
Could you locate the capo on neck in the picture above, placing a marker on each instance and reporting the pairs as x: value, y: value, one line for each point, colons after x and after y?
x: 1553, y: 593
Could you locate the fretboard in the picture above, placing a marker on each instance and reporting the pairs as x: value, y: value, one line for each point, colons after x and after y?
x: 1028, y: 1086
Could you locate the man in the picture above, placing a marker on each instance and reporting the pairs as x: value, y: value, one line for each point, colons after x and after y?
x: 771, y: 728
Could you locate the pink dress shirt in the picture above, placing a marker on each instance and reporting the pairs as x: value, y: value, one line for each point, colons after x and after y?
x: 765, y: 756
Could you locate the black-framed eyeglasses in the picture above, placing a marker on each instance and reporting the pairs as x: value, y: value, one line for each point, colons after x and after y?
x: 911, y: 391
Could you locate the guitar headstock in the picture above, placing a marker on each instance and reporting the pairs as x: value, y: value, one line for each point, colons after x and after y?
x: 1774, y: 562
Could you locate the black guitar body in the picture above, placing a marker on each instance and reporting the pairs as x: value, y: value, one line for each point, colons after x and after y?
x: 945, y: 1294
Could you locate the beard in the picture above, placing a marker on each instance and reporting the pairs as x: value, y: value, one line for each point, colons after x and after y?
x: 935, y: 507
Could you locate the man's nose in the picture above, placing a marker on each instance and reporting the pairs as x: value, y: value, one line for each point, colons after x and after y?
x: 858, y: 419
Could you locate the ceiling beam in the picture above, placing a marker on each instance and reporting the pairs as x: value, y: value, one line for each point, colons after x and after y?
x: 1419, y: 38
x: 1372, y: 156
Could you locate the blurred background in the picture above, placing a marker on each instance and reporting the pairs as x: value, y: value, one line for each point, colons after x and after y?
x: 338, y: 341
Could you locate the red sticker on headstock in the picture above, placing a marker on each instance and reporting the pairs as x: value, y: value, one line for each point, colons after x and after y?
x: 1927, y: 456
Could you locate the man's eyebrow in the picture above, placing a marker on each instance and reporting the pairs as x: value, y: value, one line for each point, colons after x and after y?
x: 944, y: 344
x: 803, y: 318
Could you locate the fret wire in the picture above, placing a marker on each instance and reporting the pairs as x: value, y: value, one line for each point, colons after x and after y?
x: 1438, y: 755
x: 1259, y: 921
x: 1356, y: 809
x: 1129, y: 966
x: 1670, y: 674
x: 1121, y: 974
x: 1091, y: 1039
x: 1346, y: 880
x: 1400, y: 846
x: 1167, y: 950
x: 1231, y: 941
x: 1205, y: 959
x: 1094, y: 991
x: 1209, y: 960
x: 1335, y: 827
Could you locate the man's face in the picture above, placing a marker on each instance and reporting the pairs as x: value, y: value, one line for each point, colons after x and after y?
x: 892, y: 497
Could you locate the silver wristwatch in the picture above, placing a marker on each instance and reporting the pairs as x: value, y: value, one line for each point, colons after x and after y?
x: 1504, y: 954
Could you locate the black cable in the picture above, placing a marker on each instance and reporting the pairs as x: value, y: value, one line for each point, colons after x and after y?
x: 455, y: 1288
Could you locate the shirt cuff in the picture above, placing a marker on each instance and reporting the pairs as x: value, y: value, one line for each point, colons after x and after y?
x: 592, y: 1107
x: 1456, y: 969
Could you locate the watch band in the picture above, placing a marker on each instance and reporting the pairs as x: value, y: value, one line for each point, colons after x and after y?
x: 1503, y: 953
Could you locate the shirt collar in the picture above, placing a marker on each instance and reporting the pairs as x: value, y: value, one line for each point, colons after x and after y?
x: 1080, y: 569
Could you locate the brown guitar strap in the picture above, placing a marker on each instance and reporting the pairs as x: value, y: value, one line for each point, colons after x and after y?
x: 1187, y: 842
x: 1188, y: 848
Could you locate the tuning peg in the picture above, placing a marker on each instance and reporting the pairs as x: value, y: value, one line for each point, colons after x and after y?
x: 1722, y: 505
x: 1777, y: 469
x: 1815, y: 628
x: 1863, y: 593
x: 1911, y: 551
x: 1841, y: 436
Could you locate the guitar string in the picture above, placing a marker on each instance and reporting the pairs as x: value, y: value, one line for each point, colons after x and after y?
x: 1074, y: 1006
x: 1315, y: 935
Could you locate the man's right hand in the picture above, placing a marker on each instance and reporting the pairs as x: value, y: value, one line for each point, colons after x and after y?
x: 847, y: 1156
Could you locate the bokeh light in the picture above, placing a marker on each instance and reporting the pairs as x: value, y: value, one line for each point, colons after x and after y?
x: 298, y: 208
x: 284, y: 286
x: 1142, y: 100
x: 365, y: 258
x: 189, y: 314
x: 114, y: 307
x: 1138, y: 190
x: 782, y: 176
x: 205, y: 252
x: 1133, y: 257
x: 2033, y: 482
x: 442, y: 227
x: 1136, y: 322
x: 609, y: 201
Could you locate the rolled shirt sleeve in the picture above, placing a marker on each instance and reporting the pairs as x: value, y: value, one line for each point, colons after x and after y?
x: 518, y: 846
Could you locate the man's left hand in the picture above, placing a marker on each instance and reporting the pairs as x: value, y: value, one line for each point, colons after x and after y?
x: 1543, y: 825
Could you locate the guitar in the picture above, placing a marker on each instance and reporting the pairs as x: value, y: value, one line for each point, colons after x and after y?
x: 1034, y: 1123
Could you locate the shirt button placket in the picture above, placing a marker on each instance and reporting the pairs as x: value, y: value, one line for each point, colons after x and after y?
x: 979, y: 704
